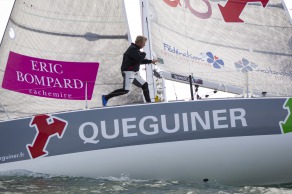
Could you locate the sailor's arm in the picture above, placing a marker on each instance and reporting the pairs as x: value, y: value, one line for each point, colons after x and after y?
x: 147, y: 61
x: 136, y: 55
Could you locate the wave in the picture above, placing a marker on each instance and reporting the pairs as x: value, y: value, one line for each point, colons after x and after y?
x: 27, y: 181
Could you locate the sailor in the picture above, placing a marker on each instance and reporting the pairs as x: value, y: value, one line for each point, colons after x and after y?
x: 132, y: 60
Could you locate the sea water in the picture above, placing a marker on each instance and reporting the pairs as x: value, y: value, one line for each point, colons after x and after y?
x: 27, y: 182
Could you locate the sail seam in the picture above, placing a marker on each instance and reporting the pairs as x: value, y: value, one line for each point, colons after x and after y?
x: 227, y: 46
x: 86, y: 36
x: 71, y: 20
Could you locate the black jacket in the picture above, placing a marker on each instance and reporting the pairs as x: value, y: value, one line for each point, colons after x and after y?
x: 133, y: 58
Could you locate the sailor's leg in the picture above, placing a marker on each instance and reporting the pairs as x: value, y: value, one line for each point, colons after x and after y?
x: 141, y: 83
x: 127, y: 86
x: 115, y: 93
x: 146, y: 92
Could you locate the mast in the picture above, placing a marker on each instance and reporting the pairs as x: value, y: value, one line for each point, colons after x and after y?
x: 148, y: 48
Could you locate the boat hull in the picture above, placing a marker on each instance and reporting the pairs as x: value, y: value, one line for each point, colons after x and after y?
x: 240, y: 158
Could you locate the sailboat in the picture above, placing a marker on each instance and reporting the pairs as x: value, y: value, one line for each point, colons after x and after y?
x: 59, y: 57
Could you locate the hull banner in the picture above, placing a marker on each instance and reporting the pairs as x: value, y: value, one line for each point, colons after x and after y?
x: 65, y: 133
x: 50, y: 79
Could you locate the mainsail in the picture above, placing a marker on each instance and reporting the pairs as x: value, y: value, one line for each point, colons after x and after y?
x: 67, y: 31
x: 218, y: 44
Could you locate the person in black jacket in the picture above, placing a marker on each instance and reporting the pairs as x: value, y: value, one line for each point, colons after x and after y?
x: 132, y: 60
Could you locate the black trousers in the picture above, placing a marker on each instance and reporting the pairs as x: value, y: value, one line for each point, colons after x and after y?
x: 131, y: 78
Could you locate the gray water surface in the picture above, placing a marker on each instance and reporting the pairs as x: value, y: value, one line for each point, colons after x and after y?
x: 27, y: 182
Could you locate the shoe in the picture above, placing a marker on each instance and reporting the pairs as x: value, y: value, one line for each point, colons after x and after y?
x: 104, y: 101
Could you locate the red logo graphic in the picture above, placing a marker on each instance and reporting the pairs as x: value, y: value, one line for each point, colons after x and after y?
x: 231, y: 12
x: 206, y: 15
x: 173, y: 3
x: 234, y: 8
x: 46, y: 127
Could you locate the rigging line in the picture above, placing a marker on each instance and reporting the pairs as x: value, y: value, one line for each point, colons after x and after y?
x: 174, y: 91
x: 147, y: 24
x: 5, y: 111
x: 88, y: 36
x: 186, y: 38
x: 148, y: 34
x: 227, y: 46
x: 149, y: 43
x: 153, y: 81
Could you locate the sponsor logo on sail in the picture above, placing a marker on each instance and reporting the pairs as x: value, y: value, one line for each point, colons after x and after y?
x: 46, y: 127
x: 178, y: 52
x: 202, y: 15
x: 207, y: 58
x: 231, y: 11
x: 50, y: 79
x: 214, y: 60
x: 245, y: 66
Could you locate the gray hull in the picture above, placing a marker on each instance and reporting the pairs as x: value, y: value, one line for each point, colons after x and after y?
x: 234, y: 142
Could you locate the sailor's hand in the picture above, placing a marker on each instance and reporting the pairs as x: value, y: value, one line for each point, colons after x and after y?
x: 154, y: 61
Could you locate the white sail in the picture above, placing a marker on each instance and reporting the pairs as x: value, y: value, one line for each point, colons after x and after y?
x: 69, y: 31
x: 197, y: 37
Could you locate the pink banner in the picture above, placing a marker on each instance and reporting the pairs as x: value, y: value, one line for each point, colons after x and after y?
x: 49, y: 79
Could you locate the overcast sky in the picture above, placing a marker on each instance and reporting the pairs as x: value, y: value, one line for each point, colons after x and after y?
x: 5, y: 9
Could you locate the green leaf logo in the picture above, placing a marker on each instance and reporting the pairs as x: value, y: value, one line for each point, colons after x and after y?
x: 287, y: 124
